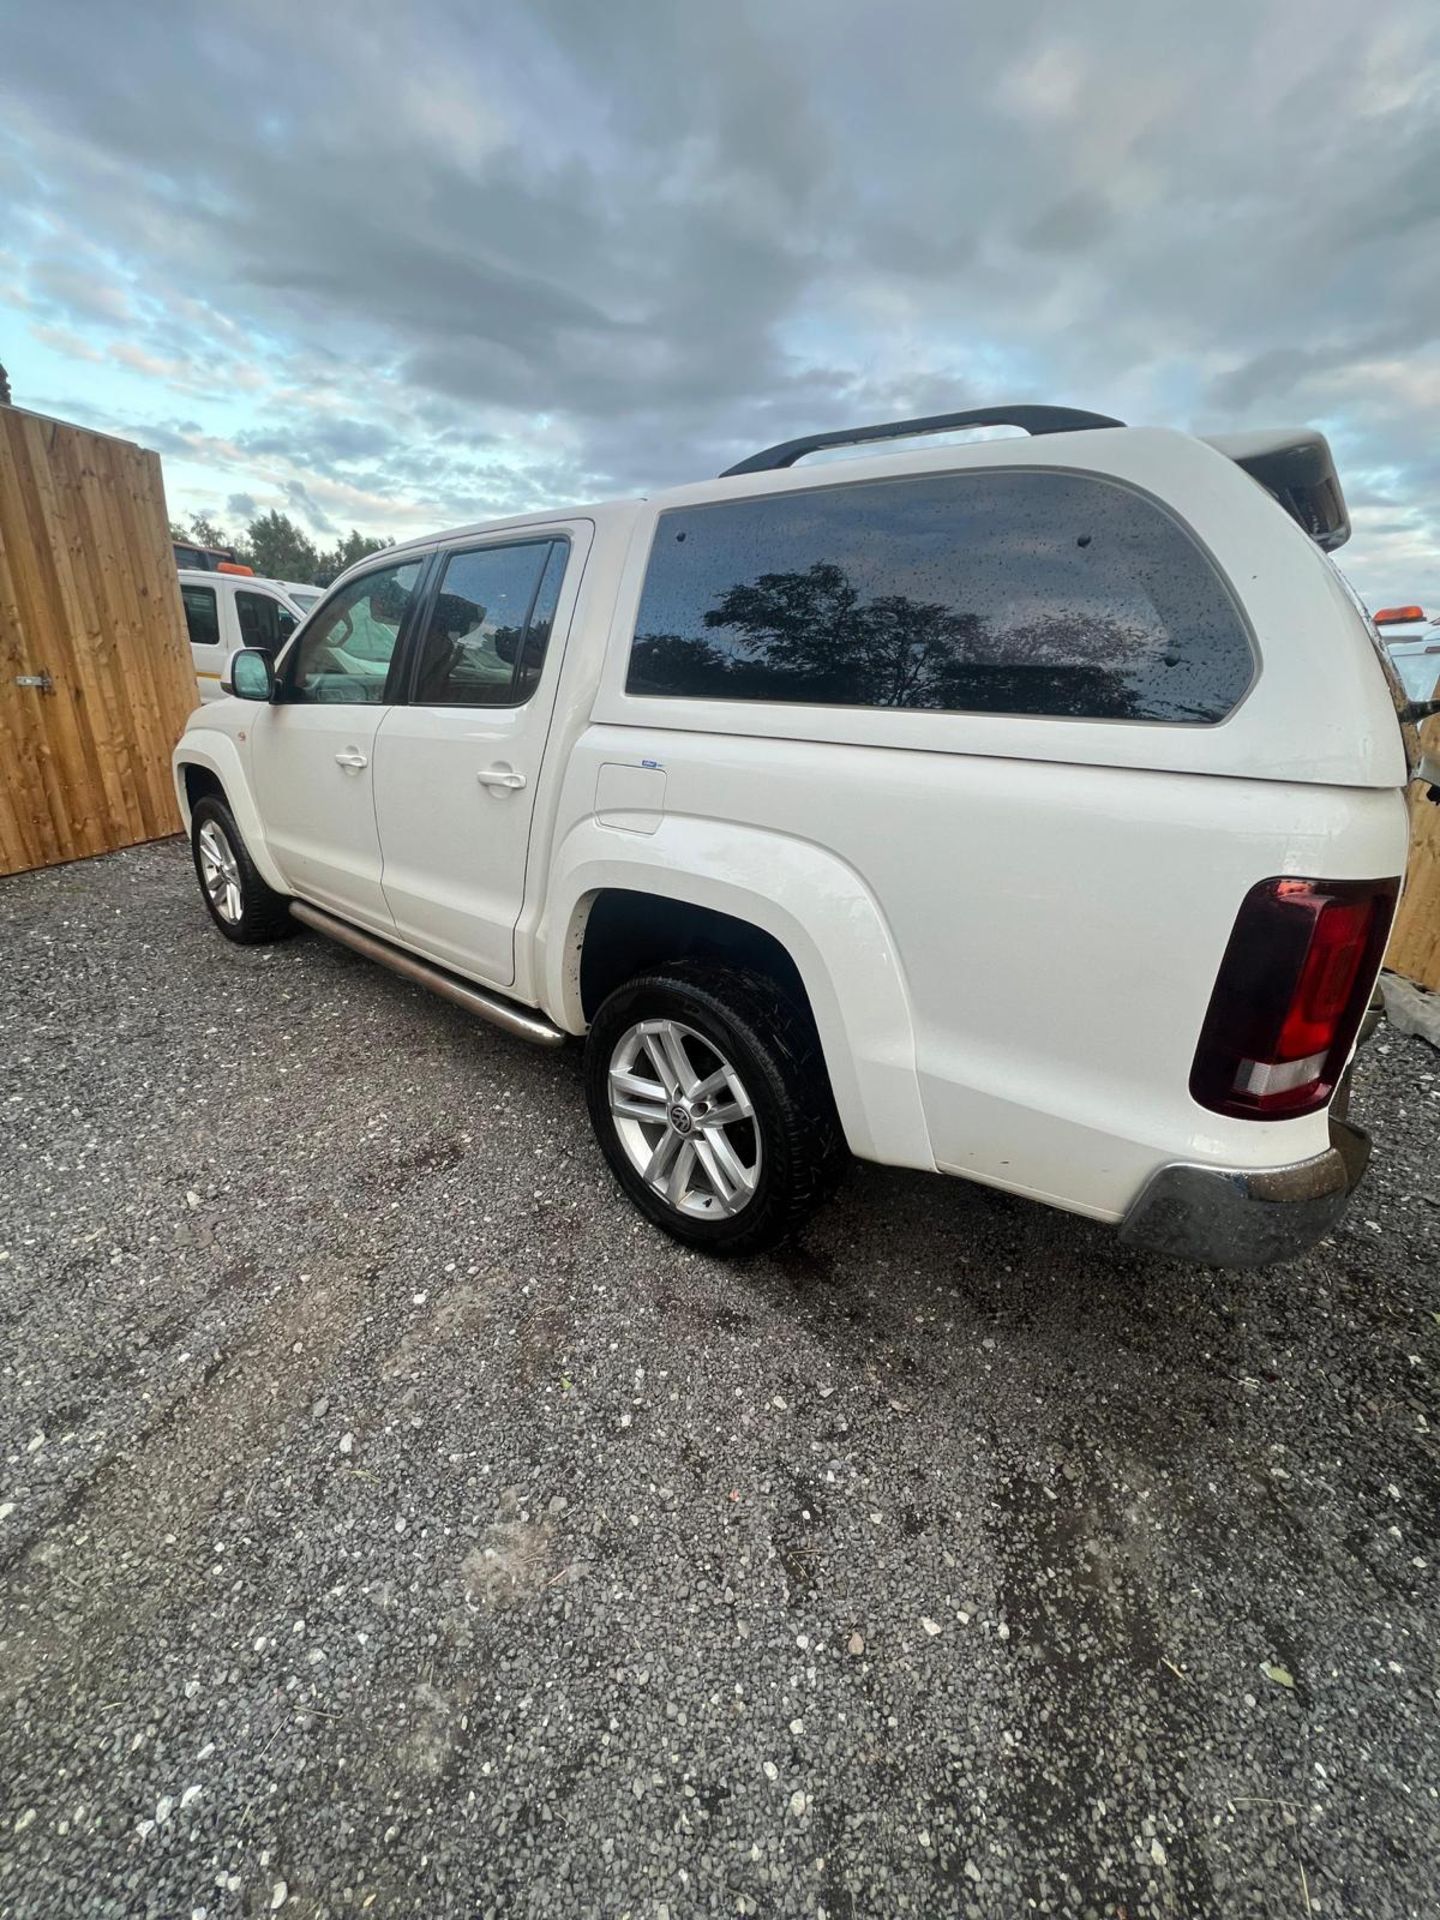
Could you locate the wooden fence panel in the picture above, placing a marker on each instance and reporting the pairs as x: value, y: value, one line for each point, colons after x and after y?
x: 89, y: 597
x: 1415, y: 941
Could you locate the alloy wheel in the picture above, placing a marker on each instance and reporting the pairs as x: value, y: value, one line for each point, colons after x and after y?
x: 219, y: 873
x: 684, y: 1119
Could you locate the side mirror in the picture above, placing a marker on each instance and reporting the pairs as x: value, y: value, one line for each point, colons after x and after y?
x: 250, y: 675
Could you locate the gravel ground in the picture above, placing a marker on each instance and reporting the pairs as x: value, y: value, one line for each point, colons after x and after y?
x: 392, y: 1523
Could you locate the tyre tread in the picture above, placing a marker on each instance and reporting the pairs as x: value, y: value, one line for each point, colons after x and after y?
x: 265, y: 914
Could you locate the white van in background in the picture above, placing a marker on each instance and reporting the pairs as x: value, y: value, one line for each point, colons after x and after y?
x: 1413, y: 644
x: 302, y: 593
x: 224, y: 611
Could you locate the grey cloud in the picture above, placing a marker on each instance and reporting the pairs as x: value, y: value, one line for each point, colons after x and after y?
x: 178, y: 440
x: 898, y: 246
x: 242, y: 506
x: 1408, y: 207
x: 308, y: 508
x: 80, y: 293
x: 1268, y: 376
x: 1078, y: 221
x: 321, y: 440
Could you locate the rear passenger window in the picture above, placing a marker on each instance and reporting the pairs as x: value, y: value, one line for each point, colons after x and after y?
x: 201, y: 617
x: 1016, y: 592
x: 489, y: 625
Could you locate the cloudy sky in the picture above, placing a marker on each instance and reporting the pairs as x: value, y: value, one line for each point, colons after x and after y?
x: 401, y: 266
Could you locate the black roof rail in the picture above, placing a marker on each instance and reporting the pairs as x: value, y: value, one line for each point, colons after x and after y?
x: 1032, y: 419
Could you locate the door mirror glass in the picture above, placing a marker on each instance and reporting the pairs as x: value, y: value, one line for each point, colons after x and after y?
x: 251, y: 675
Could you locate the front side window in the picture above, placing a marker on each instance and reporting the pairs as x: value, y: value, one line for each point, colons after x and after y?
x: 345, y: 651
x: 1006, y: 591
x: 489, y: 625
x: 263, y: 621
x: 202, y: 618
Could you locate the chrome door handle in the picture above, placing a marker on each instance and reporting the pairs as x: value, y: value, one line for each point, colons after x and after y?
x: 350, y: 758
x: 499, y: 777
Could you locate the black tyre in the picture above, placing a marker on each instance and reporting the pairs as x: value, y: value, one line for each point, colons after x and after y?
x: 242, y: 906
x: 709, y: 1098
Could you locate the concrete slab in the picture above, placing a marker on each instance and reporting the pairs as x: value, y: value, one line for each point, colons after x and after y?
x: 1410, y: 1009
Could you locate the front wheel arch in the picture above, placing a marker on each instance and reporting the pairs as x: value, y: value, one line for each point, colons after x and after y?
x: 207, y: 760
x: 240, y: 901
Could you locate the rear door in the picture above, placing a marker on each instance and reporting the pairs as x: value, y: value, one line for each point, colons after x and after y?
x: 456, y: 765
x: 312, y: 751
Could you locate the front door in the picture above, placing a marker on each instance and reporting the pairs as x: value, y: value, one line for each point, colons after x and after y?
x: 312, y: 752
x: 456, y: 766
x: 263, y: 618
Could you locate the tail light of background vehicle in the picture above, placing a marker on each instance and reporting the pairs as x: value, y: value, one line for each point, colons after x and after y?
x: 1290, y: 995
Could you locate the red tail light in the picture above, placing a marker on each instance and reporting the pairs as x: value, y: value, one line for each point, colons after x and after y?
x: 1290, y: 995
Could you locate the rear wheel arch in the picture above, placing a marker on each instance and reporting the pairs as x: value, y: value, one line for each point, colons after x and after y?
x: 812, y: 903
x: 627, y: 931
x: 835, y: 965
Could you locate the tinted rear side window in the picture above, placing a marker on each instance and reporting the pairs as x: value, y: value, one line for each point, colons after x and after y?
x: 201, y: 617
x: 1000, y: 592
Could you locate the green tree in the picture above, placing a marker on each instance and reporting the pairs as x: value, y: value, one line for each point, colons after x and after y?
x: 813, y: 636
x: 208, y: 533
x: 278, y: 549
x: 816, y: 628
x: 355, y: 546
x: 204, y: 532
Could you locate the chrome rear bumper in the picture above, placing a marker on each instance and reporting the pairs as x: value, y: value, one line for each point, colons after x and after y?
x: 1239, y: 1217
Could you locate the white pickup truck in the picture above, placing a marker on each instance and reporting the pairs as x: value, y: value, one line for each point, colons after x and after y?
x: 231, y: 609
x: 1028, y: 810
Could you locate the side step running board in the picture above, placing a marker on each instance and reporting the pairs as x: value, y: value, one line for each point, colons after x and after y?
x: 501, y: 1013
